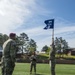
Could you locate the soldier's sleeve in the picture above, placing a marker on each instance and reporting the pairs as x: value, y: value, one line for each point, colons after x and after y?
x: 13, y: 51
x: 31, y: 58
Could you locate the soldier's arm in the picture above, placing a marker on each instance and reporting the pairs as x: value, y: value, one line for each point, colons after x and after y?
x: 13, y: 51
x: 31, y: 58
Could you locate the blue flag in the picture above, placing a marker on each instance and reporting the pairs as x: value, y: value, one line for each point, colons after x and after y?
x: 49, y: 24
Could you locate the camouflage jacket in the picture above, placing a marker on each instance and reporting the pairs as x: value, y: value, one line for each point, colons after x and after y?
x: 9, y: 50
x: 33, y: 59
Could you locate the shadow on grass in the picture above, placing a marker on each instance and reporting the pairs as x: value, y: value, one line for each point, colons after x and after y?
x: 36, y: 74
x: 39, y: 74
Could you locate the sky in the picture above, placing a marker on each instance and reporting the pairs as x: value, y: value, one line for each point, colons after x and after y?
x: 28, y: 16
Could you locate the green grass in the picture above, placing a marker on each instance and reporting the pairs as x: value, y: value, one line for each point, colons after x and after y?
x: 43, y: 69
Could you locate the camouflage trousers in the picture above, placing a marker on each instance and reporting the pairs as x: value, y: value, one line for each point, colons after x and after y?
x: 33, y: 66
x: 7, y: 67
x: 53, y: 67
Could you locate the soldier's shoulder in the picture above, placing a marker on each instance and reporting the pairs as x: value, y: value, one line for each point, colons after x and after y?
x: 13, y: 42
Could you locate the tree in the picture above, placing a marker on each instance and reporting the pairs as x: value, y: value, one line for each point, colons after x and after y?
x: 23, y: 42
x: 61, y: 45
x: 1, y: 39
x: 23, y: 38
x: 27, y: 45
x: 31, y: 46
x: 46, y: 49
x: 5, y: 37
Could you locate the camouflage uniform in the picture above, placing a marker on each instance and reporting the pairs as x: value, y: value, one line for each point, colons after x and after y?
x: 8, y: 58
x: 52, y: 59
x: 2, y: 67
x: 33, y: 63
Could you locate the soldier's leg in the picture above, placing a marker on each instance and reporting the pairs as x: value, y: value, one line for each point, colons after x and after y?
x: 8, y: 70
x: 31, y: 66
x: 12, y: 68
x: 53, y: 67
x: 2, y: 71
x: 35, y: 68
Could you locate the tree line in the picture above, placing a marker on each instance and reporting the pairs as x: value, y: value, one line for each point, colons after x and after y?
x: 61, y: 45
x: 24, y: 44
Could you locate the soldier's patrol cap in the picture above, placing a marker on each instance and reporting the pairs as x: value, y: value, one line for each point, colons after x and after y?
x: 12, y: 35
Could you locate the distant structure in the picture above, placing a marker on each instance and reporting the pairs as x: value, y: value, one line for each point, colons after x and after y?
x: 70, y: 51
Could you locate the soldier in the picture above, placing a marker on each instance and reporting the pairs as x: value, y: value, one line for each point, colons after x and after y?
x: 33, y: 63
x: 52, y: 59
x: 9, y: 54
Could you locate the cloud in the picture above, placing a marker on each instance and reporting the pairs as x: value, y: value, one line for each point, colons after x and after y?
x: 64, y: 29
x: 43, y: 37
x: 14, y: 16
x: 39, y: 31
x: 71, y: 42
x: 14, y: 13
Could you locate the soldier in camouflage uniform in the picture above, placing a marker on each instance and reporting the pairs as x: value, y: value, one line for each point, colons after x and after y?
x: 33, y: 63
x: 9, y: 53
x: 52, y: 59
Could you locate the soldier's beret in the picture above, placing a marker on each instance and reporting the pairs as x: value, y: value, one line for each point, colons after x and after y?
x: 12, y: 35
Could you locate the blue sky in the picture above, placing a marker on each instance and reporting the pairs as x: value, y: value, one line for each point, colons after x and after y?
x: 29, y: 15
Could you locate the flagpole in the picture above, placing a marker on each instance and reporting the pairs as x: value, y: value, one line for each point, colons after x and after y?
x: 50, y: 25
x: 53, y: 36
x: 52, y: 54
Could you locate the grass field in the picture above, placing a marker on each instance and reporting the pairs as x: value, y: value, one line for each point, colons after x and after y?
x: 43, y: 69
